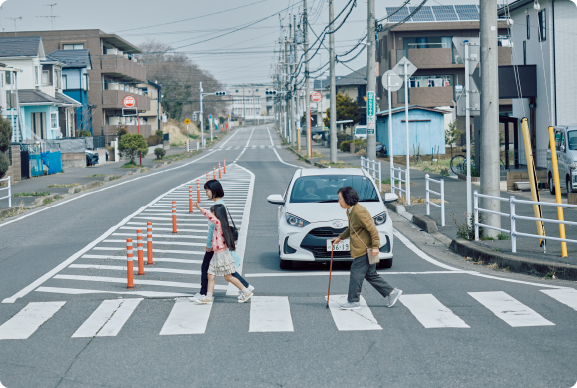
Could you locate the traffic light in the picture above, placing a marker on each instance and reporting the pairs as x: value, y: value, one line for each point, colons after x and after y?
x: 220, y: 93
x: 270, y: 92
x: 194, y: 117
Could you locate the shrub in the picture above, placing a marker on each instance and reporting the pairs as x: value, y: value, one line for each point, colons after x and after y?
x: 159, y: 152
x: 121, y: 131
x: 345, y: 145
x: 154, y: 140
x: 5, y: 142
x: 159, y: 133
x: 132, y: 145
x: 84, y: 133
x: 4, y: 164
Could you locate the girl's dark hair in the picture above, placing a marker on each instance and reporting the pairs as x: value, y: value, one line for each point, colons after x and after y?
x: 349, y: 195
x: 215, y: 187
x: 220, y: 212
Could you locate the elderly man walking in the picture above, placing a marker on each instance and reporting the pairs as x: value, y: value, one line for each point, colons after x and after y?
x: 364, y: 235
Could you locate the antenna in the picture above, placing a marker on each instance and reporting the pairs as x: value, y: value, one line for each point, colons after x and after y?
x: 51, y: 17
x: 14, y: 19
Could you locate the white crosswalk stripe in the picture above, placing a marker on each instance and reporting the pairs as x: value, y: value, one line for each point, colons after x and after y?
x: 187, y: 317
x: 28, y: 320
x: 270, y: 313
x: 567, y: 296
x: 430, y: 312
x: 108, y: 318
x: 348, y: 320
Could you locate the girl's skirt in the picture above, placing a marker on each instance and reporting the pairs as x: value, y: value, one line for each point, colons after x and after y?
x: 222, y: 264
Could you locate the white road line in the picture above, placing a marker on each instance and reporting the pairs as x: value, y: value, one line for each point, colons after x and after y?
x: 250, y: 137
x: 79, y: 291
x: 156, y: 259
x: 105, y: 279
x: 278, y: 156
x: 352, y: 320
x: 121, y: 268
x: 567, y: 296
x: 270, y: 137
x: 153, y: 251
x: 270, y: 314
x: 233, y: 135
x: 186, y: 317
x: 345, y: 273
x: 28, y: 320
x: 509, y: 309
x: 169, y: 236
x: 186, y: 244
x: 107, y: 320
x: 156, y: 229
x: 430, y: 312
x: 167, y: 219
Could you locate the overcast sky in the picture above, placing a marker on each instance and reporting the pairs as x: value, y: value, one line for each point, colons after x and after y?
x: 242, y: 56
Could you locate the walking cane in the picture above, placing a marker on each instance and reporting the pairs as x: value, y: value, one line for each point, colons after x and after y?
x: 330, y: 273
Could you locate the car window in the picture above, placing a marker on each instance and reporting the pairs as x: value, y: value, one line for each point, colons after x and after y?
x: 562, y: 141
x: 572, y: 140
x: 324, y: 188
x: 557, y: 139
x: 361, y: 131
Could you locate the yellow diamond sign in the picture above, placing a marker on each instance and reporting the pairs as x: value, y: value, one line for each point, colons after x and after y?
x: 186, y: 121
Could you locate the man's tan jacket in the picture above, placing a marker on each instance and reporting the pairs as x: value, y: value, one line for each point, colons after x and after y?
x: 361, y: 221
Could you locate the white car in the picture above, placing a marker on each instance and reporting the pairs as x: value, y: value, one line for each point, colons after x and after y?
x: 309, y: 215
x: 361, y: 132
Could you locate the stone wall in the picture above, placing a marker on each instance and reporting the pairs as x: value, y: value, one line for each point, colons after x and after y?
x: 14, y: 172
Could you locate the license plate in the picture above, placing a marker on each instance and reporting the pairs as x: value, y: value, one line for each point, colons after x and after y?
x: 344, y: 245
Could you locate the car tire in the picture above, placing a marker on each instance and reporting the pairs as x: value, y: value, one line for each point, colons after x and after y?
x: 386, y: 263
x: 551, y: 185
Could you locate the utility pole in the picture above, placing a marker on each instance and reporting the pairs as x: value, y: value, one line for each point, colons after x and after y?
x: 308, y: 89
x: 297, y: 96
x: 294, y: 97
x: 371, y: 82
x: 490, y: 149
x: 333, y: 111
x: 201, y: 124
x: 291, y: 85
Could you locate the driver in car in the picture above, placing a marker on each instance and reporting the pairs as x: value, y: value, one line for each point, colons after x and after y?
x: 311, y: 189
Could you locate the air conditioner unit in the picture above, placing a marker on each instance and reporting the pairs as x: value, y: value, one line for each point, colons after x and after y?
x: 114, y: 120
x: 113, y: 86
x: 111, y: 51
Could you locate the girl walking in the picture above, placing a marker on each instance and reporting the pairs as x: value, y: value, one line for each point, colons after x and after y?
x: 222, y: 263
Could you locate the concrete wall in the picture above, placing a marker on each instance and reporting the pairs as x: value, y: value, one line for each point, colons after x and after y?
x: 14, y: 171
x: 74, y: 160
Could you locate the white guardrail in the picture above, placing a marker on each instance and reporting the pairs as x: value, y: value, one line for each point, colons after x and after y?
x: 441, y: 194
x: 9, y: 196
x: 513, y: 217
x: 399, y: 178
x: 374, y: 170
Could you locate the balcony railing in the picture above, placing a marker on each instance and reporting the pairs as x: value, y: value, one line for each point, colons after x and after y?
x: 120, y: 66
x: 431, y: 56
x: 113, y: 99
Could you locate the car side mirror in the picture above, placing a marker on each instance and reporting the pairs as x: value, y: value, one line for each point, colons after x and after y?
x: 275, y: 199
x: 562, y: 148
x: 389, y: 197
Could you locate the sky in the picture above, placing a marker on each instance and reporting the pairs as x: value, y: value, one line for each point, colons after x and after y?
x: 207, y: 31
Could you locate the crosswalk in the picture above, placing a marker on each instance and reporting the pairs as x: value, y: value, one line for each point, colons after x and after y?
x: 273, y: 314
x: 253, y: 147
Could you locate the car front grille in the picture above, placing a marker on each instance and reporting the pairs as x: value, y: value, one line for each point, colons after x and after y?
x: 316, y: 242
x: 326, y: 232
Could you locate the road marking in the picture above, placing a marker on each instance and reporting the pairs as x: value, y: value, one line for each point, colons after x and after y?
x: 29, y: 319
x: 187, y: 317
x: 567, y: 296
x: 121, y: 268
x: 107, y: 320
x: 278, y: 156
x: 105, y: 279
x: 345, y: 273
x: 270, y: 314
x: 159, y: 259
x: 250, y: 137
x: 233, y: 135
x: 82, y: 291
x: 509, y: 309
x: 430, y: 312
x: 156, y: 228
x: 352, y: 320
x: 191, y: 244
x: 169, y: 236
x: 239, y: 155
x: 270, y: 137
x: 153, y: 250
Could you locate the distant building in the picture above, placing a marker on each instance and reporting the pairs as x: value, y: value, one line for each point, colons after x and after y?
x: 153, y: 116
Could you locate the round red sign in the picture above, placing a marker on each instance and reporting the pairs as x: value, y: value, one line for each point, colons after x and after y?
x: 316, y: 97
x: 129, y: 102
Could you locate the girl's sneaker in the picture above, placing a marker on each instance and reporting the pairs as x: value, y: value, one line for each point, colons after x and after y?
x: 250, y: 288
x: 205, y: 300
x: 197, y: 297
x: 244, y: 297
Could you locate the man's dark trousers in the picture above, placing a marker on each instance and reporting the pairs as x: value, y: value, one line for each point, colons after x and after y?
x: 204, y: 273
x: 361, y: 270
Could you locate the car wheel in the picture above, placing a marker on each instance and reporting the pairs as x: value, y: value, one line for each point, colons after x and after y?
x: 551, y: 185
x: 386, y: 263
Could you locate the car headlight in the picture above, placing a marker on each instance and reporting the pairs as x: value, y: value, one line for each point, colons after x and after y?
x: 380, y: 218
x: 296, y: 221
x: 573, y: 165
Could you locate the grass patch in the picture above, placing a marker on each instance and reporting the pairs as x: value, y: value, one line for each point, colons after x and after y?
x: 69, y: 185
x: 193, y: 136
x: 417, y: 200
x: 51, y: 199
x: 502, y: 236
x: 94, y: 175
x: 494, y: 266
x: 32, y: 194
x: 130, y: 165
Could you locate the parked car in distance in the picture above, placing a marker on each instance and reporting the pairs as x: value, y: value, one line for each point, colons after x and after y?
x: 566, y: 148
x: 309, y: 215
x: 361, y: 132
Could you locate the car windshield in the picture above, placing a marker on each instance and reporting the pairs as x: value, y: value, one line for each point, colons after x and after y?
x: 361, y: 131
x: 572, y: 140
x: 324, y: 188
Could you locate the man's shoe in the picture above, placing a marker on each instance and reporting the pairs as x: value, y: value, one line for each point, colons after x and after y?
x: 244, y: 297
x: 351, y: 306
x: 250, y: 288
x: 205, y: 300
x: 198, y: 296
x: 394, y: 296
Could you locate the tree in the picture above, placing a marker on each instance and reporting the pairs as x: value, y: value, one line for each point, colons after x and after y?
x: 347, y: 109
x: 132, y: 145
x: 452, y: 134
x: 5, y: 143
x: 84, y: 133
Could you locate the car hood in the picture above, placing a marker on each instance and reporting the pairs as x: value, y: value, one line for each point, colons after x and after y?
x: 325, y: 212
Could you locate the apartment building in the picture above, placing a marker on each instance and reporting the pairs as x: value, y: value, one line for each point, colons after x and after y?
x: 251, y: 101
x: 115, y: 73
x: 153, y: 116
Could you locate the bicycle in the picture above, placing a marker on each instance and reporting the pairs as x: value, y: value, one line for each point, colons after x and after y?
x: 459, y: 164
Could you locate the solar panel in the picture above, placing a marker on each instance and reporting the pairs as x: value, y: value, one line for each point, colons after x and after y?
x: 399, y: 16
x: 425, y: 14
x: 444, y: 13
x: 467, y: 12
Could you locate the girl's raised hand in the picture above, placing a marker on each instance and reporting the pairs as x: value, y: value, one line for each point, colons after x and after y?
x: 197, y: 206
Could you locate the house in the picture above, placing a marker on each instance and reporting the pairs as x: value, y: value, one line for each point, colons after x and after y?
x: 544, y: 37
x: 76, y: 83
x: 153, y: 116
x: 41, y: 111
x: 426, y: 130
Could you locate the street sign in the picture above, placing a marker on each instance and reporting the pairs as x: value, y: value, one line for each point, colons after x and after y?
x: 400, y: 67
x: 371, y: 114
x: 474, y: 100
x: 187, y: 121
x: 316, y: 97
x: 129, y: 102
x: 474, y: 50
x: 210, y: 117
x: 391, y: 81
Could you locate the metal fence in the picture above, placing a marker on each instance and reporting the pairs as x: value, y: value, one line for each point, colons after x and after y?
x: 98, y: 142
x: 373, y: 168
x: 399, y: 179
x: 9, y: 196
x: 441, y: 194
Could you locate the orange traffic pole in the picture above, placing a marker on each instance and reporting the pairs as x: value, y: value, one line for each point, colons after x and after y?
x: 224, y: 165
x: 198, y: 190
x: 139, y: 248
x: 190, y: 199
x: 174, y: 217
x: 149, y: 243
x: 213, y: 172
x: 219, y: 176
x: 129, y: 264
x: 207, y: 176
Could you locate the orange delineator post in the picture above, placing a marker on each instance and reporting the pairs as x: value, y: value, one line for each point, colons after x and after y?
x: 214, y: 172
x: 198, y: 190
x: 224, y: 161
x: 139, y: 248
x: 174, y: 217
x: 149, y: 243
x: 190, y: 199
x: 129, y: 264
x: 207, y: 176
x: 219, y: 176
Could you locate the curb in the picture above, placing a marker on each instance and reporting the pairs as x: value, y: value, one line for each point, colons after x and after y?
x: 309, y: 161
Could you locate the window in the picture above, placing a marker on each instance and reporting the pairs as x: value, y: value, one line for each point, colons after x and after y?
x: 528, y: 28
x: 86, y: 82
x: 256, y: 90
x: 53, y: 120
x: 37, y: 75
x: 64, y: 82
x: 8, y: 78
x: 236, y: 91
x: 78, y: 46
x: 524, y: 52
x: 58, y: 75
x: 542, y: 25
x: 428, y: 42
x: 324, y: 188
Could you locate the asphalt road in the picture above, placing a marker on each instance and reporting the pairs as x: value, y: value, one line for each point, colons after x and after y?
x: 67, y: 319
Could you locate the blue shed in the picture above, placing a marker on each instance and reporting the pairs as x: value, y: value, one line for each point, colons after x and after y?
x: 426, y: 130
